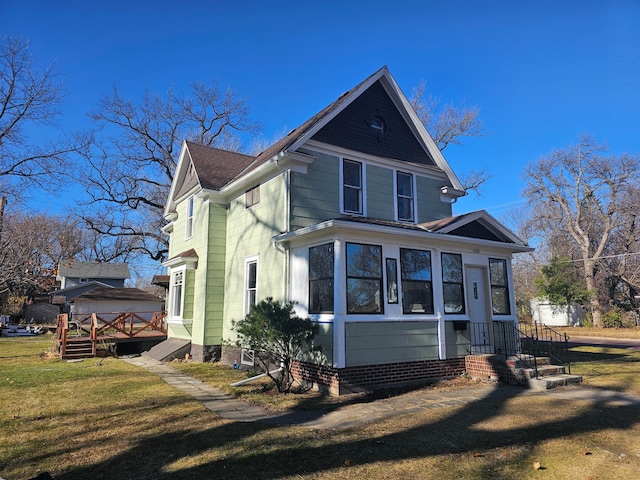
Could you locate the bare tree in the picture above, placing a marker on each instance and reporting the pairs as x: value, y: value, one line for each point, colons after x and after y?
x: 32, y: 247
x: 580, y: 189
x: 448, y: 125
x: 30, y: 99
x: 129, y: 172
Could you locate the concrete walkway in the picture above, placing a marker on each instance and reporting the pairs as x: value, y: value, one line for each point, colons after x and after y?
x: 356, y: 414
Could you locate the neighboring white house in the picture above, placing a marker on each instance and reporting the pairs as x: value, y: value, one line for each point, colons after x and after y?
x: 108, y: 302
x: 543, y: 311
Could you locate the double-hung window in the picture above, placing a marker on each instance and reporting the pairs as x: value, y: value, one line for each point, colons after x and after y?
x: 415, y: 274
x: 364, y: 278
x: 250, y: 283
x: 499, y: 286
x: 189, y: 229
x: 352, y: 189
x: 452, y: 283
x: 404, y: 191
x: 321, y: 295
x: 177, y: 293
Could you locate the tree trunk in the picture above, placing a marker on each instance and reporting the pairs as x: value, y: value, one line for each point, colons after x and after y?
x: 594, y: 302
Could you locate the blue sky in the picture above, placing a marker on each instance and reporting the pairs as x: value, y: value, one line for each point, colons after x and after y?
x: 542, y: 73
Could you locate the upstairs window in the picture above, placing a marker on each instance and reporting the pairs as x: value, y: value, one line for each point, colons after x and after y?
x: 189, y: 228
x: 415, y: 272
x: 252, y: 197
x: 352, y: 192
x: 364, y: 278
x: 404, y: 188
x: 452, y: 283
x: 499, y: 286
x: 321, y: 262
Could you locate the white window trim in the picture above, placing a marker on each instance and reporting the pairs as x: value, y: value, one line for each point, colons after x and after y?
x: 363, y: 166
x: 171, y: 317
x: 189, y: 217
x: 395, y: 196
x: 245, y: 289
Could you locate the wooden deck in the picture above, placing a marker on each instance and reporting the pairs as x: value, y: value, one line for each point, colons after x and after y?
x: 83, y: 336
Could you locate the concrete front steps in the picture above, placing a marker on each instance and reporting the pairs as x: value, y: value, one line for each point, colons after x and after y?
x: 548, y: 375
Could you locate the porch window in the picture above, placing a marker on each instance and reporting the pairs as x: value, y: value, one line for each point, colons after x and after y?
x: 352, y: 193
x: 177, y: 295
x: 499, y: 286
x: 452, y: 283
x: 404, y: 188
x: 250, y: 283
x: 417, y: 291
x: 189, y: 227
x: 321, y: 279
x: 364, y: 278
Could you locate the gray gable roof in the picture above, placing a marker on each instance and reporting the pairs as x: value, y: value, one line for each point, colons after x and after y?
x: 94, y: 270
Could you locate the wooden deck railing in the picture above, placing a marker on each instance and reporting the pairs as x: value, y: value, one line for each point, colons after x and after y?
x: 96, y: 326
x: 129, y: 324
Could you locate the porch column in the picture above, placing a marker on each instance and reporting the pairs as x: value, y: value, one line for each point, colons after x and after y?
x: 339, y: 304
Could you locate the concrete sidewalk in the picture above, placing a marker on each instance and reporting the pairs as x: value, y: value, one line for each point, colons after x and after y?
x: 354, y: 414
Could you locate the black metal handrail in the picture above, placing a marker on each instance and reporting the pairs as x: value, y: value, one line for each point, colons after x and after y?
x: 509, y: 339
x: 546, y: 342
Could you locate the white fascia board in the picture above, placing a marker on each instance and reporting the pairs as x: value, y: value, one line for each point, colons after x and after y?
x: 424, y: 135
x: 189, y: 262
x: 337, y: 224
x: 178, y: 177
x: 486, y: 217
x: 295, y: 161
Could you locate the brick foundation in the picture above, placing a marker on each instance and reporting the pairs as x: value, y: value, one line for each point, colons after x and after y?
x: 490, y: 367
x: 340, y: 381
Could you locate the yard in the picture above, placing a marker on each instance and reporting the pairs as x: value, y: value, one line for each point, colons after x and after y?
x: 104, y: 418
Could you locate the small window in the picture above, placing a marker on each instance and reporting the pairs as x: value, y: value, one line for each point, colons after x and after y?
x: 364, y: 278
x: 83, y: 280
x: 177, y: 296
x: 378, y: 127
x: 352, y: 187
x: 251, y: 284
x: 247, y: 357
x: 404, y: 187
x: 452, y: 283
x: 499, y: 286
x: 415, y: 272
x: 392, y: 280
x: 189, y: 229
x: 321, y: 262
x: 252, y: 196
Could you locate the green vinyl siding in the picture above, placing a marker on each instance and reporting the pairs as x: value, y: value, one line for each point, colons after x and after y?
x: 458, y: 341
x: 214, y: 295
x: 371, y: 343
x: 430, y: 207
x: 315, y: 196
x: 249, y: 234
x: 380, y: 198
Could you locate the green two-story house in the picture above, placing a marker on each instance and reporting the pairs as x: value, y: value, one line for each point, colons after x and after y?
x: 349, y: 217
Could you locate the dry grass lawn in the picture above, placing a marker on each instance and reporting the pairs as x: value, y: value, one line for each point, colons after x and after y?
x: 108, y: 419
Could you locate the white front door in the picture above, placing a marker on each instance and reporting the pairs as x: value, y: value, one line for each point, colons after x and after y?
x: 478, y: 303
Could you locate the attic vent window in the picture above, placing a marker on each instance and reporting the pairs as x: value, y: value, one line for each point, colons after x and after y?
x: 378, y: 127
